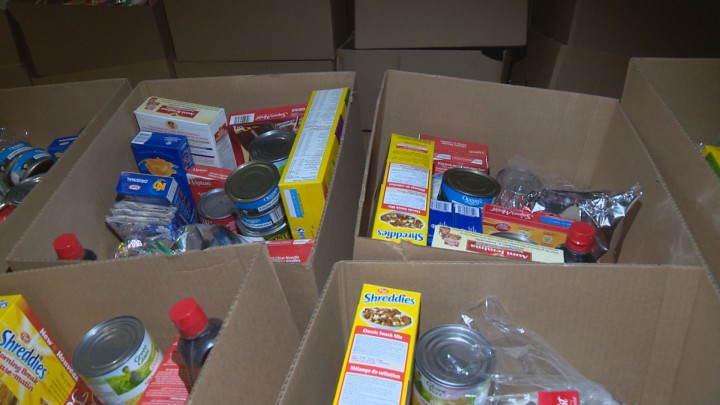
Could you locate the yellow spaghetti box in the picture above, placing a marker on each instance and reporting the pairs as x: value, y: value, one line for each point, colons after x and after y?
x: 404, y: 199
x: 33, y: 369
x: 306, y: 178
x: 379, y: 357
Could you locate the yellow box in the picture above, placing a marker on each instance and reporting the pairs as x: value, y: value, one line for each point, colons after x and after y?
x: 379, y: 357
x: 403, y: 203
x: 33, y: 369
x: 306, y: 178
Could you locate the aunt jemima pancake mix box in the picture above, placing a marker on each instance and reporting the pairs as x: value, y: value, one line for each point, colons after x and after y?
x: 33, y: 369
x: 379, y: 357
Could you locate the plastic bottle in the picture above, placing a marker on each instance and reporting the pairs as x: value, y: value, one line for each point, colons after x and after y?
x: 197, y: 334
x: 68, y: 247
x: 578, y: 247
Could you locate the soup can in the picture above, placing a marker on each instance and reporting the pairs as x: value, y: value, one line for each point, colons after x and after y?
x: 279, y: 232
x: 468, y: 187
x: 253, y: 188
x: 117, y: 359
x: 273, y: 146
x: 8, y: 155
x: 215, y: 207
x: 263, y: 222
x: 452, y: 366
x: 17, y: 194
x: 30, y: 163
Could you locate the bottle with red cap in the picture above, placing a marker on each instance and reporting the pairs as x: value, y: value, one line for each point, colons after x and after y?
x: 578, y: 247
x: 68, y: 247
x: 197, y: 334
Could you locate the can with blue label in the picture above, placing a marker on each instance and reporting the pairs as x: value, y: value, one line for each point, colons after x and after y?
x: 253, y: 188
x: 468, y: 187
x: 263, y: 222
x: 8, y: 157
x: 30, y: 163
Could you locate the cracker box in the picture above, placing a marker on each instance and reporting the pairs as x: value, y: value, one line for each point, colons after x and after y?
x: 205, y: 178
x: 379, y: 357
x: 450, y: 153
x: 403, y: 203
x: 59, y: 145
x: 33, y: 369
x: 306, y: 179
x: 542, y: 229
x: 159, y: 190
x: 170, y: 385
x: 204, y: 126
x: 245, y: 126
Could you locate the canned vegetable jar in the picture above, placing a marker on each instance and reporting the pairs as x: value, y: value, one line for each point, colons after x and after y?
x: 215, y: 207
x: 117, y: 358
x: 452, y: 367
x: 468, y: 187
x: 253, y: 188
x: 273, y: 146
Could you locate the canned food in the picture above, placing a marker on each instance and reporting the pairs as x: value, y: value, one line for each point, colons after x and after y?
x: 30, y: 163
x: 468, y: 187
x: 273, y: 146
x: 215, y: 207
x: 7, y: 159
x: 117, y: 358
x: 280, y: 232
x: 18, y: 193
x: 452, y: 366
x: 263, y: 222
x: 253, y: 188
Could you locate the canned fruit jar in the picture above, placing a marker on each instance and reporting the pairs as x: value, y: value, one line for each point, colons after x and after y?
x: 30, y: 163
x: 468, y: 187
x: 253, y: 188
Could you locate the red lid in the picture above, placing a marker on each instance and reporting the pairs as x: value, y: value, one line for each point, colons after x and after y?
x: 188, y: 317
x: 68, y: 247
x: 581, y: 237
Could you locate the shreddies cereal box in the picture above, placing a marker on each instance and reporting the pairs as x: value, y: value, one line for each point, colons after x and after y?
x: 33, y: 369
x: 379, y: 357
x: 403, y: 202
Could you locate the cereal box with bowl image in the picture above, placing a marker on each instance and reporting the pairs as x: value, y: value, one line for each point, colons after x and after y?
x: 33, y: 369
x: 379, y: 356
x: 403, y: 203
x: 245, y: 126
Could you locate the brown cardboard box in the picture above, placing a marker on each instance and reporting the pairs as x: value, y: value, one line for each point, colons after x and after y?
x: 135, y: 73
x: 8, y: 47
x: 673, y: 104
x: 370, y: 66
x: 647, y: 333
x: 65, y: 39
x: 15, y: 75
x: 237, y: 285
x: 90, y: 187
x: 208, y: 69
x: 586, y: 139
x: 438, y: 24
x: 221, y: 31
x: 49, y: 112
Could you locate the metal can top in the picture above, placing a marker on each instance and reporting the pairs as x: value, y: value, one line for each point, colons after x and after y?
x: 108, y: 345
x: 272, y: 146
x: 454, y: 356
x: 18, y: 193
x: 251, y: 181
x: 215, y: 204
x: 471, y: 182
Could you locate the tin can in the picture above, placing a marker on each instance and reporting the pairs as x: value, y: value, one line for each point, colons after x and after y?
x: 263, y: 222
x: 8, y: 156
x: 18, y: 193
x: 280, y: 232
x: 452, y: 366
x: 468, y: 187
x: 273, y: 146
x: 253, y: 188
x: 30, y: 163
x: 117, y: 358
x: 215, y: 207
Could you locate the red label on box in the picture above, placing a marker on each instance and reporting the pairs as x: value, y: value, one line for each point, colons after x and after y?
x: 170, y: 384
x: 290, y: 251
x: 558, y: 398
x: 205, y: 178
x: 451, y: 153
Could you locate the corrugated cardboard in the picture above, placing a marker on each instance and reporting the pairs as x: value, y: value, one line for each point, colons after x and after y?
x: 14, y: 76
x: 673, y: 104
x: 8, y: 48
x: 648, y: 334
x: 90, y: 187
x: 586, y: 139
x: 439, y: 24
x: 65, y: 39
x: 49, y: 112
x: 237, y: 285
x: 246, y: 30
x: 207, y: 69
x: 135, y: 73
x: 370, y: 66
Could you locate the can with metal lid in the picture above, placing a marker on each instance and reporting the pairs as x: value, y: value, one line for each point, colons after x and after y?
x: 452, y: 365
x: 215, y: 207
x: 117, y: 358
x: 18, y: 193
x: 468, y: 187
x: 253, y: 188
x: 265, y: 221
x: 30, y: 163
x: 273, y: 146
x: 8, y: 155
x: 280, y: 232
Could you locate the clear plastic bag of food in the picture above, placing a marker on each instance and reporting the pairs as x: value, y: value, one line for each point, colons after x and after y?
x: 189, y: 237
x: 525, y: 364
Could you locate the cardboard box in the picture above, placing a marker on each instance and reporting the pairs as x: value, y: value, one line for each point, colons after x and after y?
x: 207, y: 69
x: 672, y: 104
x: 15, y: 75
x: 63, y: 39
x: 646, y: 333
x: 586, y: 139
x: 9, y: 54
x: 135, y: 73
x: 371, y: 64
x: 237, y: 285
x: 65, y: 109
x: 230, y: 30
x: 433, y: 24
x: 91, y: 187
